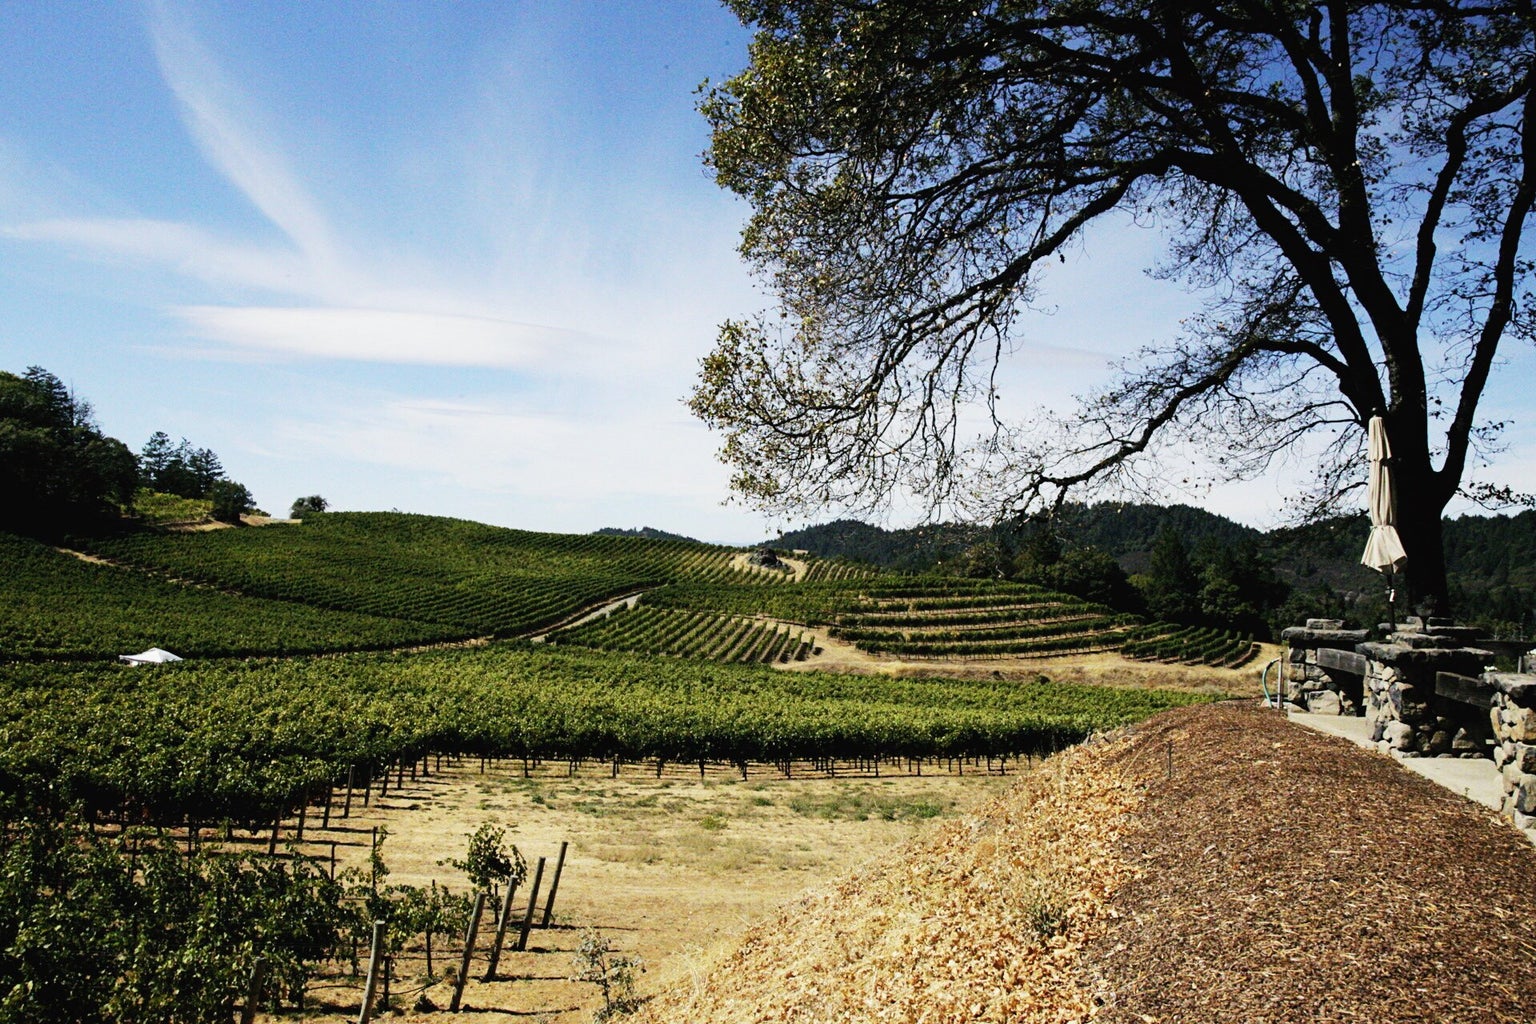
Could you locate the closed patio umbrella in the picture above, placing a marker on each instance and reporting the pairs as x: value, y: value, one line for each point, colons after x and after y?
x: 1383, y: 549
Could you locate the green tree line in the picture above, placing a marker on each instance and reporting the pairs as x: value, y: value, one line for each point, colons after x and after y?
x: 60, y: 472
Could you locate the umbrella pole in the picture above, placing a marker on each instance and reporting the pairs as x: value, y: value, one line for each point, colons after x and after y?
x: 1392, y: 600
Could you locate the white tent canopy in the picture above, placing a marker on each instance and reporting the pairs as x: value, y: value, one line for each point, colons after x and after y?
x: 153, y: 656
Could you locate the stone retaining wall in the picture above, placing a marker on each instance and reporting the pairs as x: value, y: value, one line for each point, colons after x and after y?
x: 1307, y: 682
x: 1405, y: 712
x: 1513, y: 718
x: 1428, y: 691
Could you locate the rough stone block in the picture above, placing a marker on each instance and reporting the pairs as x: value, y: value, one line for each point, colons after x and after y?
x: 1399, y: 735
x: 1324, y: 702
x: 1519, y: 689
x: 1525, y: 795
x: 1299, y: 636
x: 1454, y: 636
x: 1466, y: 741
x: 1511, y: 775
x: 1525, y: 756
x: 1325, y: 623
x: 1465, y: 661
x: 1409, y: 702
x: 1435, y: 743
x: 1522, y: 724
x: 1378, y: 730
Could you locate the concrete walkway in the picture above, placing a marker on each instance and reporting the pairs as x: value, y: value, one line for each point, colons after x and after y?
x: 1474, y: 778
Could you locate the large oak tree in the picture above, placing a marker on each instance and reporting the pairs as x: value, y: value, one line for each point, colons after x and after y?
x: 1345, y: 187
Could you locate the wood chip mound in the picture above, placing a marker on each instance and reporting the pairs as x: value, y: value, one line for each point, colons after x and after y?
x: 1214, y: 863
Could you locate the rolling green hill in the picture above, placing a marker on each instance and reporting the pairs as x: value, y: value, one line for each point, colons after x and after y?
x: 479, y: 580
x: 55, y: 606
x: 365, y: 581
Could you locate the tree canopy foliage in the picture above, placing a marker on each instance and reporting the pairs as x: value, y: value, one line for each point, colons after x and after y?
x: 59, y: 472
x: 1346, y: 187
x: 57, y: 469
x: 308, y: 505
x: 179, y: 468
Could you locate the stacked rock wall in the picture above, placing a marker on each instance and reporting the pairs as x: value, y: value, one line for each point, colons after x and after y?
x: 1513, y: 718
x: 1310, y: 684
x: 1406, y: 713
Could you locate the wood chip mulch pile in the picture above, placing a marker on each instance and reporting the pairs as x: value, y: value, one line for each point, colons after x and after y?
x: 1289, y: 876
x: 1260, y: 874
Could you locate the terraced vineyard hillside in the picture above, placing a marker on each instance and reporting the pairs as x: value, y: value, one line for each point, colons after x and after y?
x: 964, y: 618
x: 1190, y: 645
x: 909, y: 617
x: 350, y: 581
x: 692, y: 634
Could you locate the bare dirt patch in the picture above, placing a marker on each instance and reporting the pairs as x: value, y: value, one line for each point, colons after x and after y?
x: 797, y: 566
x: 669, y: 868
x: 1105, y: 669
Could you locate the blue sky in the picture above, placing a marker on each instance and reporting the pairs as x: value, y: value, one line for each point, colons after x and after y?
x: 456, y: 258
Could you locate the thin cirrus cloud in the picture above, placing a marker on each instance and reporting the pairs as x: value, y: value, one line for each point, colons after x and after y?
x: 215, y: 114
x: 380, y: 335
x: 186, y: 249
x: 495, y: 448
x: 338, y: 314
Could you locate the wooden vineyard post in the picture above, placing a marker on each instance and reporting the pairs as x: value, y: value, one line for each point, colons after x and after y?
x: 554, y: 886
x: 253, y: 990
x: 533, y: 900
x: 346, y: 808
x: 325, y: 820
x: 469, y: 950
x: 303, y: 807
x: 375, y: 958
x: 501, y: 932
x: 272, y: 843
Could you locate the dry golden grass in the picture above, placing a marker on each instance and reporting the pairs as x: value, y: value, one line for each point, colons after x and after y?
x: 978, y: 921
x: 672, y: 869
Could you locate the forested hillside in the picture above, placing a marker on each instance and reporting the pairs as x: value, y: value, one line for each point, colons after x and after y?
x: 1491, y: 559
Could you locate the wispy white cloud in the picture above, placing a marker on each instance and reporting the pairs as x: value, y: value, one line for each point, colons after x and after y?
x: 489, y: 447
x: 219, y: 118
x: 184, y: 248
x: 382, y: 335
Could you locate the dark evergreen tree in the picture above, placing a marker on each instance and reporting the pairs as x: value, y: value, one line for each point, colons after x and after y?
x: 1093, y: 575
x: 1172, y: 586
